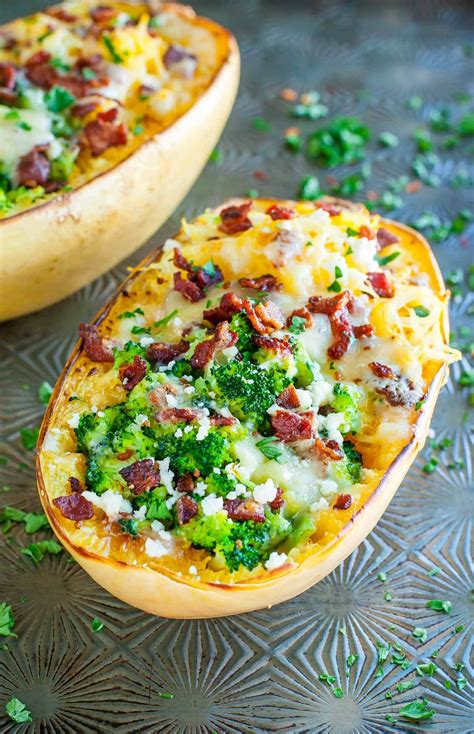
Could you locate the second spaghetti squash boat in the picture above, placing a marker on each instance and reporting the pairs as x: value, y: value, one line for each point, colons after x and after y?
x: 239, y: 417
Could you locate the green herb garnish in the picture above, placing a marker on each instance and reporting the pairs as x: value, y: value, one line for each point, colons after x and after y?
x: 17, y: 711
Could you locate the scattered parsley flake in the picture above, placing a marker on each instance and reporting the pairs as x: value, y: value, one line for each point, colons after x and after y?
x: 382, y: 576
x: 351, y: 659
x: 426, y: 669
x: 387, y: 596
x: 421, y: 311
x: 271, y: 448
x: 109, y: 44
x: 417, y: 710
x: 260, y: 124
x: 37, y: 551
x: 352, y: 232
x: 298, y: 325
x: 96, y: 625
x: 414, y: 103
x: 338, y: 692
x: 7, y: 621
x: 461, y: 683
x: 44, y: 392
x: 17, y: 711
x: 57, y: 99
x: 309, y: 188
x: 29, y: 437
x: 431, y: 465
x: 440, y: 606
x: 215, y: 156
x: 335, y: 287
x: 420, y: 633
x: 388, y: 140
x: 405, y: 686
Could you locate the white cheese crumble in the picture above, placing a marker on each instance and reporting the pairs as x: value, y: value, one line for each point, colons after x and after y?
x: 145, y: 341
x: 204, y: 426
x: 112, y: 503
x: 200, y: 489
x: 178, y: 433
x: 327, y: 487
x: 322, y: 393
x: 305, y: 397
x: 171, y: 400
x: 321, y: 504
x: 141, y: 419
x: 140, y: 514
x: 166, y: 475
x: 193, y: 570
x: 73, y: 421
x: 212, y: 504
x: 265, y: 492
x: 275, y: 560
x: 155, y: 548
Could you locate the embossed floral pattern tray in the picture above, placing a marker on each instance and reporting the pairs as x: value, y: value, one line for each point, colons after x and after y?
x: 260, y: 672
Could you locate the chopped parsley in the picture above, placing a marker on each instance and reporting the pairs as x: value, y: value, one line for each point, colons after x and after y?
x: 386, y: 259
x: 29, y: 437
x: 57, y: 99
x: 37, y: 551
x: 109, y: 44
x: 421, y: 311
x: 420, y: 633
x: 309, y: 188
x: 271, y: 448
x: 166, y: 319
x: 439, y: 605
x: 17, y: 711
x: 7, y: 621
x: 260, y: 124
x: 428, y: 669
x: 388, y: 140
x: 417, y: 710
x: 351, y: 660
x: 44, y: 392
x: 298, y: 325
x: 96, y: 625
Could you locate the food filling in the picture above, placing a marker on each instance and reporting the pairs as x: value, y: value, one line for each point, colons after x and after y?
x: 263, y: 376
x: 82, y: 86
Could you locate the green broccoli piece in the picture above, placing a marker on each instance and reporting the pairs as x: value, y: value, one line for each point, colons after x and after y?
x: 240, y: 324
x: 348, y: 470
x: 247, y: 390
x: 346, y: 401
x: 129, y: 351
x: 307, y: 371
x: 186, y: 454
x: 155, y: 502
x: 129, y: 526
x: 220, y: 484
x: 95, y: 431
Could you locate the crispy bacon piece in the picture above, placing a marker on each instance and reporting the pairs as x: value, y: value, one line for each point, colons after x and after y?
x: 382, y: 370
x: 336, y: 308
x: 331, y: 209
x: 364, y: 331
x: 230, y: 303
x: 187, y: 288
x: 124, y: 455
x: 61, y: 14
x: 162, y: 353
x: 234, y: 218
x: 7, y: 75
x: 222, y: 420
x: 381, y: 284
x: 178, y: 415
x: 302, y: 313
x: 40, y: 72
x: 400, y: 391
x: 34, y: 168
x: 385, y: 237
x: 253, y: 318
x: 186, y: 509
x: 103, y: 14
x: 279, y: 212
x: 101, y: 134
x: 288, y: 398
x: 74, y: 507
x: 326, y: 448
x: 132, y: 373
x: 222, y: 338
x: 272, y: 344
x: 265, y: 283
x: 94, y: 345
x: 141, y: 476
x: 193, y: 287
x: 76, y: 485
x: 8, y: 96
x: 270, y: 315
x: 242, y: 510
x: 366, y: 232
x: 290, y: 427
x: 278, y: 501
x: 343, y: 502
x: 180, y: 60
x: 81, y: 109
x: 158, y: 395
x: 185, y: 483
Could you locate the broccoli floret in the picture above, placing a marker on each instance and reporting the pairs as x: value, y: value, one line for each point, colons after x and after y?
x: 94, y: 431
x: 306, y: 370
x: 346, y: 401
x: 220, y: 484
x: 248, y: 391
x: 186, y: 454
x: 155, y: 502
x: 129, y: 351
x: 129, y: 526
x: 239, y: 543
x: 302, y: 528
x: 240, y: 324
x: 348, y: 470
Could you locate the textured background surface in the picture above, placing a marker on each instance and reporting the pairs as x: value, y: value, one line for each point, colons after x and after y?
x: 259, y: 672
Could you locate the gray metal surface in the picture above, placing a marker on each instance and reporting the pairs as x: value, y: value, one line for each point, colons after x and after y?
x: 259, y: 672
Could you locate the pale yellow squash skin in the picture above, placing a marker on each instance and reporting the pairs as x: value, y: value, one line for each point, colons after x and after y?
x: 163, y: 592
x: 55, y: 248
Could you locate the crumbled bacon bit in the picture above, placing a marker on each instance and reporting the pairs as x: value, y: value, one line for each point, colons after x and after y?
x: 242, y: 510
x: 278, y: 501
x: 288, y: 94
x: 162, y: 353
x: 81, y: 109
x: 291, y: 426
x: 230, y: 303
x: 180, y: 261
x: 413, y: 186
x: 222, y: 420
x: 8, y: 96
x: 270, y: 315
x: 141, y: 476
x: 34, y: 168
x: 331, y: 209
x: 302, y: 313
x: 366, y: 232
x: 372, y: 196
x: 336, y: 308
x: 186, y: 509
x: 101, y: 134
x: 381, y: 284
x: 124, y: 455
x: 185, y: 483
x: 187, y: 288
x: 109, y: 115
x: 61, y: 14
x: 288, y: 398
x: 264, y: 283
x: 234, y: 218
x: 132, y: 373
x: 74, y: 507
x: 7, y: 75
x: 103, y: 13
x: 272, y: 344
x: 364, y: 331
x: 178, y: 415
x: 343, y: 502
x: 385, y: 237
x: 174, y: 58
x: 280, y: 212
x: 382, y: 370
x: 260, y: 175
x: 204, y: 352
x: 326, y: 448
x: 94, y: 345
x: 253, y: 318
x: 76, y: 485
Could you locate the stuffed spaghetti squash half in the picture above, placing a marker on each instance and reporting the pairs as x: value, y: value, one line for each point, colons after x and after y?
x: 235, y: 422
x: 108, y: 112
